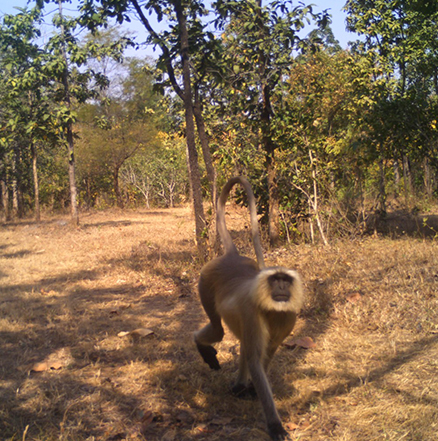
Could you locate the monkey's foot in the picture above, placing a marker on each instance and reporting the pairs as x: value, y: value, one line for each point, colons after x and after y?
x: 244, y: 390
x: 277, y: 432
x: 208, y: 354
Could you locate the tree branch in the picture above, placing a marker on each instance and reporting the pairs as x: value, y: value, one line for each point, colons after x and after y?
x: 163, y: 47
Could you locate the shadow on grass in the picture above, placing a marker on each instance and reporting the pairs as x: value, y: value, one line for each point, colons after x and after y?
x: 55, y: 313
x: 401, y: 223
x: 352, y: 381
x: 16, y: 255
x: 90, y: 399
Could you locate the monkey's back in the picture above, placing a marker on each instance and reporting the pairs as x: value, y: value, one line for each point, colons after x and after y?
x: 223, y: 274
x: 225, y: 286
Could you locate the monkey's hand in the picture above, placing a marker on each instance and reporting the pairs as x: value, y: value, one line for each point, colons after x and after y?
x: 208, y: 354
x: 277, y: 432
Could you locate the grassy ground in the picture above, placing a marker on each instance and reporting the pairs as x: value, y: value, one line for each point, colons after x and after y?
x: 66, y: 374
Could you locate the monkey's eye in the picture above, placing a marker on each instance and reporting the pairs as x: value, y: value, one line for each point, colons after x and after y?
x: 274, y: 279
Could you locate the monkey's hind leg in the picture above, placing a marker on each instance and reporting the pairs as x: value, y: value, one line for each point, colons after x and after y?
x: 204, y: 338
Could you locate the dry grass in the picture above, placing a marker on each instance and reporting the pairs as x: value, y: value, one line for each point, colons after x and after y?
x: 66, y: 293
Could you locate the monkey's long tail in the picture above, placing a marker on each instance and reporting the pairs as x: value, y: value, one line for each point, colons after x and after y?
x: 221, y: 225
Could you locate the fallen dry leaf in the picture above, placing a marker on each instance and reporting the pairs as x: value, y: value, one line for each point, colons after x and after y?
x: 303, y: 342
x: 292, y: 426
x: 39, y: 367
x: 140, y: 332
x: 147, y: 418
x: 44, y: 366
x: 354, y: 298
x: 50, y: 293
x: 204, y: 428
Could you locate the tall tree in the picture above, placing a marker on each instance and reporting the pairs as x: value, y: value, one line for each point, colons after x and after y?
x: 400, y: 39
x: 118, y: 127
x: 68, y: 122
x: 71, y: 81
x: 183, y: 20
x: 29, y: 122
x: 260, y: 43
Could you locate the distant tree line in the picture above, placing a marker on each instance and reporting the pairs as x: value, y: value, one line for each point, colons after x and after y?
x: 326, y: 135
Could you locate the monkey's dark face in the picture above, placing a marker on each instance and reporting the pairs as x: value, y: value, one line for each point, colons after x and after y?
x: 278, y: 289
x: 281, y: 286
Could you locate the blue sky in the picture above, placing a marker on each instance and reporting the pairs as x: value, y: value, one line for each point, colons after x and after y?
x: 335, y: 7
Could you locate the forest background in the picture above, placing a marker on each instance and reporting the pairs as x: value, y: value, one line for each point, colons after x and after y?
x: 339, y: 143
x: 332, y: 139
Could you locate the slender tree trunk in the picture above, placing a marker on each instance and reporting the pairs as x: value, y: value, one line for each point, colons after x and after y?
x: 88, y: 187
x: 269, y: 145
x: 119, y: 199
x: 312, y: 232
x: 69, y: 133
x: 271, y: 171
x: 16, y: 209
x: 407, y: 179
x: 274, y: 200
x: 428, y: 184
x: 194, y: 173
x: 36, y: 187
x: 5, y: 200
x: 396, y: 168
x: 205, y: 145
x: 382, y: 190
x: 15, y: 199
x: 72, y: 176
x: 213, y: 234
x: 315, y: 201
x: 186, y: 95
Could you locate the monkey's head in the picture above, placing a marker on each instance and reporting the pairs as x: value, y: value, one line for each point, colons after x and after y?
x: 278, y: 289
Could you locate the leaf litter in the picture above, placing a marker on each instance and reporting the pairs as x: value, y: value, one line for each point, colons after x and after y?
x: 373, y: 370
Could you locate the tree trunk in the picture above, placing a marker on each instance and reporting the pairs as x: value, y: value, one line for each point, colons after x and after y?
x: 5, y: 200
x: 15, y: 199
x: 72, y: 177
x: 194, y: 174
x: 268, y: 145
x: 213, y: 234
x: 407, y: 179
x: 428, y: 182
x: 205, y: 145
x: 36, y: 187
x: 316, y: 199
x: 16, y: 205
x: 119, y: 200
x: 274, y: 200
x: 69, y: 133
x: 382, y: 190
x: 396, y: 168
x: 186, y: 96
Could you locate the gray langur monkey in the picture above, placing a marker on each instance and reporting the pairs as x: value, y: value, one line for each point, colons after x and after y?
x: 258, y: 304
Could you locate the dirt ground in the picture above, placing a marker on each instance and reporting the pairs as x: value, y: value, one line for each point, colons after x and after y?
x: 72, y: 369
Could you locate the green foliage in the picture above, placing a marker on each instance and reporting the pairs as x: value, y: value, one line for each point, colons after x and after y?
x: 400, y: 44
x: 338, y: 130
x: 159, y: 175
x: 118, y: 129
